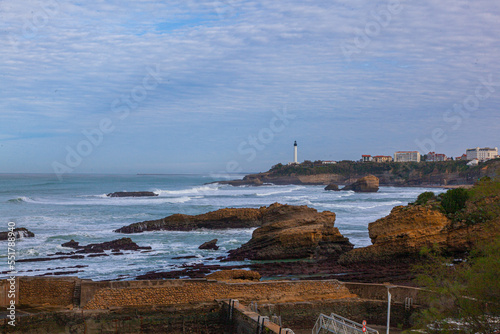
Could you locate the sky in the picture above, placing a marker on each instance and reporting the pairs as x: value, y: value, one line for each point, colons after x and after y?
x: 223, y: 86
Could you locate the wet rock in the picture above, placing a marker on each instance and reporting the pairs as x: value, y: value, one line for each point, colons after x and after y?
x: 51, y: 258
x: 332, y: 186
x: 212, y: 244
x: 132, y: 194
x: 72, y: 244
x: 19, y: 233
x: 115, y: 246
x: 184, y: 257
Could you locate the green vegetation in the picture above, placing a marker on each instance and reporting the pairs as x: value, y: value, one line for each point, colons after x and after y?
x: 465, y: 296
x: 425, y: 197
x: 454, y: 200
x: 472, y: 206
x: 346, y: 168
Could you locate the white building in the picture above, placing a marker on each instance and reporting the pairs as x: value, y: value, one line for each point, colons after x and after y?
x: 482, y: 154
x: 294, y: 162
x: 407, y: 156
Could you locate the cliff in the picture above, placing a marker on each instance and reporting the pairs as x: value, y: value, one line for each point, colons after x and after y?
x: 389, y: 174
x: 293, y: 232
x: 453, y: 222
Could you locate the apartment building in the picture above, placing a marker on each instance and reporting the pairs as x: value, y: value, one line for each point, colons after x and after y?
x: 407, y: 156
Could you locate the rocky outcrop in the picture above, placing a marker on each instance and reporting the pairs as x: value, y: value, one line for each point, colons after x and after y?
x: 407, y: 229
x: 220, y: 219
x: 132, y: 194
x: 400, y: 174
x: 115, y: 246
x: 235, y: 274
x: 293, y: 232
x: 332, y: 187
x: 212, y: 244
x: 19, y: 233
x: 367, y: 184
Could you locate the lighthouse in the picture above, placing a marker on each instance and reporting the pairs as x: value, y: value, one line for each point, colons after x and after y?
x: 295, y: 152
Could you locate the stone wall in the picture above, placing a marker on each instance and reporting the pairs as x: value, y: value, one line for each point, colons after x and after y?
x: 188, y: 291
x: 48, y: 291
x: 198, y: 319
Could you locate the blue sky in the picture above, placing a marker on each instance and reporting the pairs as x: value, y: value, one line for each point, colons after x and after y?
x: 196, y: 86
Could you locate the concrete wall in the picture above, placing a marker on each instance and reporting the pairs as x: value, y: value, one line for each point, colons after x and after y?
x: 241, y: 320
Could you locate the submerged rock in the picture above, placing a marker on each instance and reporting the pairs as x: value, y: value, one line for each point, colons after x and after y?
x: 132, y: 194
x: 367, y: 184
x: 212, y: 244
x: 293, y: 232
x: 19, y: 233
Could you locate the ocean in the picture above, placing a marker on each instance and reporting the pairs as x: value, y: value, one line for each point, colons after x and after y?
x: 77, y: 208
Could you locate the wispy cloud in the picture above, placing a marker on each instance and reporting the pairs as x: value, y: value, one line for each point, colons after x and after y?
x: 233, y: 69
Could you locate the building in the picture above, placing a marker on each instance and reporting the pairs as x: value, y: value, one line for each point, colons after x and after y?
x: 462, y: 157
x: 482, y: 154
x: 382, y: 158
x: 295, y: 162
x: 407, y: 156
x: 328, y: 162
x: 366, y: 158
x: 473, y: 162
x: 433, y: 156
x: 295, y: 152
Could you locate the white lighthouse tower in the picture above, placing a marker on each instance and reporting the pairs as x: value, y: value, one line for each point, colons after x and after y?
x: 295, y: 152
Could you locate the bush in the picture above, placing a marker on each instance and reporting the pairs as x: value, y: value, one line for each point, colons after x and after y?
x: 425, y: 197
x: 454, y: 200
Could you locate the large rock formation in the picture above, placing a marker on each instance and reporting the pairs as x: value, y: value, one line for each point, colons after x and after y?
x: 220, y: 219
x: 19, y: 233
x: 293, y: 232
x: 407, y: 229
x: 132, y: 194
x: 367, y: 184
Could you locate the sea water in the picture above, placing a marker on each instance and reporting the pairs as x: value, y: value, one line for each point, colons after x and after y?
x: 77, y: 208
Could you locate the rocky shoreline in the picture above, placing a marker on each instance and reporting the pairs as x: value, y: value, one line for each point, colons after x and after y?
x: 424, y: 174
x: 299, y: 242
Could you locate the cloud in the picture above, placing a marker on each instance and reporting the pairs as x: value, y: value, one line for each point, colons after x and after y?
x: 64, y: 63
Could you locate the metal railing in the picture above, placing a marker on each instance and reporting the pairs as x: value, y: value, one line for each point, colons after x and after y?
x: 339, y: 325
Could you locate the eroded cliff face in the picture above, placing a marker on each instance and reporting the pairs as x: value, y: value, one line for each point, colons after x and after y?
x: 407, y: 229
x: 293, y: 232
